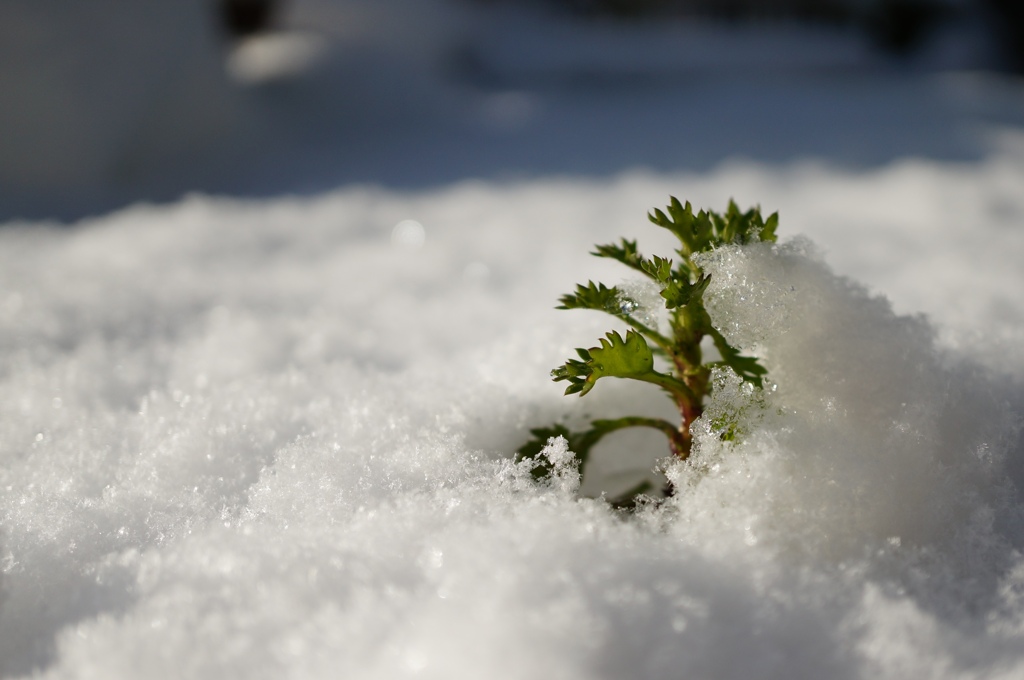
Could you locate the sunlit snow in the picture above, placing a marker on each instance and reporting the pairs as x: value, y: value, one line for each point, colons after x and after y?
x: 273, y: 437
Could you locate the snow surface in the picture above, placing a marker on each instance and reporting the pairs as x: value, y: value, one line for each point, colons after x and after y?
x: 272, y: 438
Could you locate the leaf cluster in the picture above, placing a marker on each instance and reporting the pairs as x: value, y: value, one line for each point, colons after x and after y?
x: 706, y: 230
x: 682, y: 285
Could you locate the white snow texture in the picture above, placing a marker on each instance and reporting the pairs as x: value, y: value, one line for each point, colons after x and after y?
x: 269, y: 439
x: 273, y: 438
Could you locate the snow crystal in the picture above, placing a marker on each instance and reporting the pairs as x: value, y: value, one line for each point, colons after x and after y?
x: 869, y: 433
x: 564, y: 474
x: 261, y: 439
x: 641, y: 299
x: 275, y: 438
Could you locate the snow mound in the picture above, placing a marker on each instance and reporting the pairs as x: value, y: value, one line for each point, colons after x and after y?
x: 869, y: 438
x: 270, y: 439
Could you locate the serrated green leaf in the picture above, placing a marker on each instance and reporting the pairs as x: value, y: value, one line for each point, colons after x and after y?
x: 619, y: 358
x: 680, y: 213
x: 680, y: 223
x: 733, y: 223
x: 592, y: 296
x: 696, y: 232
x: 707, y: 230
x: 700, y: 287
x: 615, y: 357
x: 659, y: 268
x: 625, y: 252
x: 659, y: 218
x: 745, y: 367
x: 678, y: 293
x: 575, y: 372
x: 770, y: 225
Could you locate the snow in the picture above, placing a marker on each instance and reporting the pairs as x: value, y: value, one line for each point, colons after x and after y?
x: 272, y: 436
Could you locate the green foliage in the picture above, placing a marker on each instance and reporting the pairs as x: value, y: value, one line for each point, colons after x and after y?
x: 592, y: 296
x: 706, y: 230
x: 745, y: 367
x: 626, y: 253
x: 682, y: 284
x: 616, y: 358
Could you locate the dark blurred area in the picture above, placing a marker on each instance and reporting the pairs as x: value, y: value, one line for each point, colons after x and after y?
x: 896, y: 26
x: 108, y: 102
x: 244, y: 18
x: 1008, y: 20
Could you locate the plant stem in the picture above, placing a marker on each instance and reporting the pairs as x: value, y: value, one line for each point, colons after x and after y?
x: 677, y: 441
x: 660, y: 340
x: 675, y: 387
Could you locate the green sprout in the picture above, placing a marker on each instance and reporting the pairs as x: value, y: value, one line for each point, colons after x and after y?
x: 686, y: 378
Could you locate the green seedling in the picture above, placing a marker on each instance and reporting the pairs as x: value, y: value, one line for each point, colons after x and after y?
x: 673, y: 360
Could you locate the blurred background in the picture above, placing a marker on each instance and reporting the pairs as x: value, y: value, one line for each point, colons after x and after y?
x: 104, y: 103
